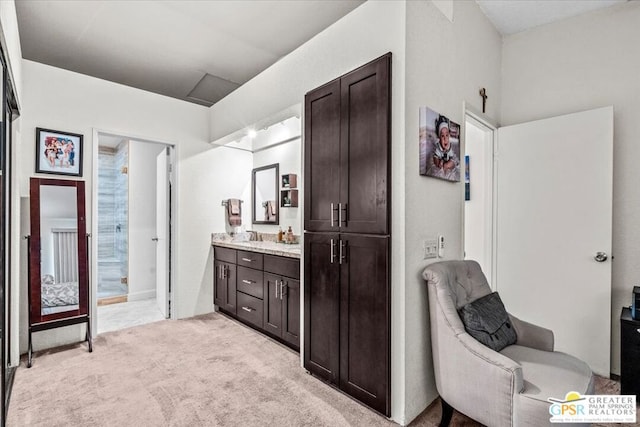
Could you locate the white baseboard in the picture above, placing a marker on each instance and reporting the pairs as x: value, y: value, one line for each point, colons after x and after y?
x: 142, y: 295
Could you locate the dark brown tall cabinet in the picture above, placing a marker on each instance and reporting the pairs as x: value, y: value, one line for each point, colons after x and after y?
x: 347, y: 233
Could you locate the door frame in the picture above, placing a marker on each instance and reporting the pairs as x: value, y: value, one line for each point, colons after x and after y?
x: 173, y: 221
x: 490, y: 126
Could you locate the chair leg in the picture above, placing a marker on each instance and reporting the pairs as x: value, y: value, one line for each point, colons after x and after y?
x: 447, y: 413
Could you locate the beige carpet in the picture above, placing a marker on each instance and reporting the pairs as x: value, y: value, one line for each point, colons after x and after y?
x: 203, y: 371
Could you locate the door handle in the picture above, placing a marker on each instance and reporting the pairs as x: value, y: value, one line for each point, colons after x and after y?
x: 332, y: 255
x: 276, y: 289
x: 155, y: 239
x: 342, y: 207
x: 343, y: 246
x: 282, y: 286
x: 601, y: 256
x: 334, y: 208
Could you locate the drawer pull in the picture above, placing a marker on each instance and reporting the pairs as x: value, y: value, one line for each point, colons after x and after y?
x: 248, y: 282
x: 249, y: 309
x: 247, y: 259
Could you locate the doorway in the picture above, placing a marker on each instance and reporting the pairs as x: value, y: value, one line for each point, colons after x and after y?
x: 479, y: 191
x: 133, y: 233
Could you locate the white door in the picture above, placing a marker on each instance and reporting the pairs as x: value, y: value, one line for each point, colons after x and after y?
x: 162, y: 232
x: 554, y: 203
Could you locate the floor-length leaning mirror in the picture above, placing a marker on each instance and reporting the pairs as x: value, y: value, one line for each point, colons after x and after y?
x: 58, y: 268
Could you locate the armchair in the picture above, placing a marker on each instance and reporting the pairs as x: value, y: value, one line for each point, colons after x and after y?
x: 505, y: 388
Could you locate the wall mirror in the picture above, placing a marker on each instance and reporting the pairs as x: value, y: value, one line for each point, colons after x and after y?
x: 58, y: 272
x: 264, y: 194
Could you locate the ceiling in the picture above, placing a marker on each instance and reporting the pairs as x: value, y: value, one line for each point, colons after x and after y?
x: 197, y: 51
x: 200, y: 51
x: 514, y: 16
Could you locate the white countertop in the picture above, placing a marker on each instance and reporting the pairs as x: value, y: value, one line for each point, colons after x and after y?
x: 271, y: 248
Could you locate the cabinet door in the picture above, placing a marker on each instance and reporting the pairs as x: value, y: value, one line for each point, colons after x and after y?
x: 365, y: 140
x: 321, y: 306
x: 225, y: 286
x: 322, y: 157
x: 629, y: 356
x: 365, y: 320
x: 291, y: 311
x: 272, y: 304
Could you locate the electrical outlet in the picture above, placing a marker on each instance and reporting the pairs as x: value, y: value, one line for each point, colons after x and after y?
x: 430, y: 247
x: 440, y: 246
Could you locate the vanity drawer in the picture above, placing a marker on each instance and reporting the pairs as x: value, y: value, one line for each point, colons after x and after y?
x: 250, y: 259
x: 284, y: 266
x: 224, y: 254
x: 250, y: 281
x: 249, y: 309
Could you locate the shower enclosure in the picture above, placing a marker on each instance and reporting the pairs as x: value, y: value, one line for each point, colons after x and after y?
x: 113, y: 223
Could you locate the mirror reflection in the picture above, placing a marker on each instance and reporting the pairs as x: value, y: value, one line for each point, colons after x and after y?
x: 59, y: 249
x: 265, y: 194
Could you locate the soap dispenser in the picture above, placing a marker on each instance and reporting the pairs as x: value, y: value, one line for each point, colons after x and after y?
x: 280, y: 235
x: 290, y: 235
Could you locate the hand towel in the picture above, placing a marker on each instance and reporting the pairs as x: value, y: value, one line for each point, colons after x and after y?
x: 234, y: 212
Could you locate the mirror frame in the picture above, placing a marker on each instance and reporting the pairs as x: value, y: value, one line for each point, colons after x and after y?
x: 275, y: 166
x: 35, y: 289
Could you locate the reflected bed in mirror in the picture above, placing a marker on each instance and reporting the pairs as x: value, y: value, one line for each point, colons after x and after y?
x: 264, y: 195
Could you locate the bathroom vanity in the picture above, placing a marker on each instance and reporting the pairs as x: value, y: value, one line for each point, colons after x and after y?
x: 258, y: 283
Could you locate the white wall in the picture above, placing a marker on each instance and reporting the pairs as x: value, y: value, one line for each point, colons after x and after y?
x: 447, y: 63
x: 578, y: 64
x: 142, y: 218
x: 205, y: 174
x: 10, y: 40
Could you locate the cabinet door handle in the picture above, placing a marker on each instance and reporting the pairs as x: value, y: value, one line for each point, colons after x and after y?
x: 342, y: 207
x: 282, y: 288
x: 249, y: 309
x: 343, y: 247
x: 247, y: 259
x: 333, y: 218
x: 332, y: 255
x: 276, y: 289
x: 224, y: 271
x: 248, y: 282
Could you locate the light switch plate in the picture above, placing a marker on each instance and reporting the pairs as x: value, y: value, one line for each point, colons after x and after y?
x: 430, y: 247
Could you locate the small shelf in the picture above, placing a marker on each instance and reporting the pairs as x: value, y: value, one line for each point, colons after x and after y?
x: 289, y: 180
x: 289, y: 198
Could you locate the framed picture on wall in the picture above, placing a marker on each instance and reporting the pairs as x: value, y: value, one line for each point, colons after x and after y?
x: 439, y: 140
x: 58, y: 153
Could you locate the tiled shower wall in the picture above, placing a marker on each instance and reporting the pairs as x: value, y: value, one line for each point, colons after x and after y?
x: 112, y: 220
x: 121, y: 199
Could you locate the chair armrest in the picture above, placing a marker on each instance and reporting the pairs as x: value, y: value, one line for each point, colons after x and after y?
x: 533, y: 336
x: 476, y: 380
